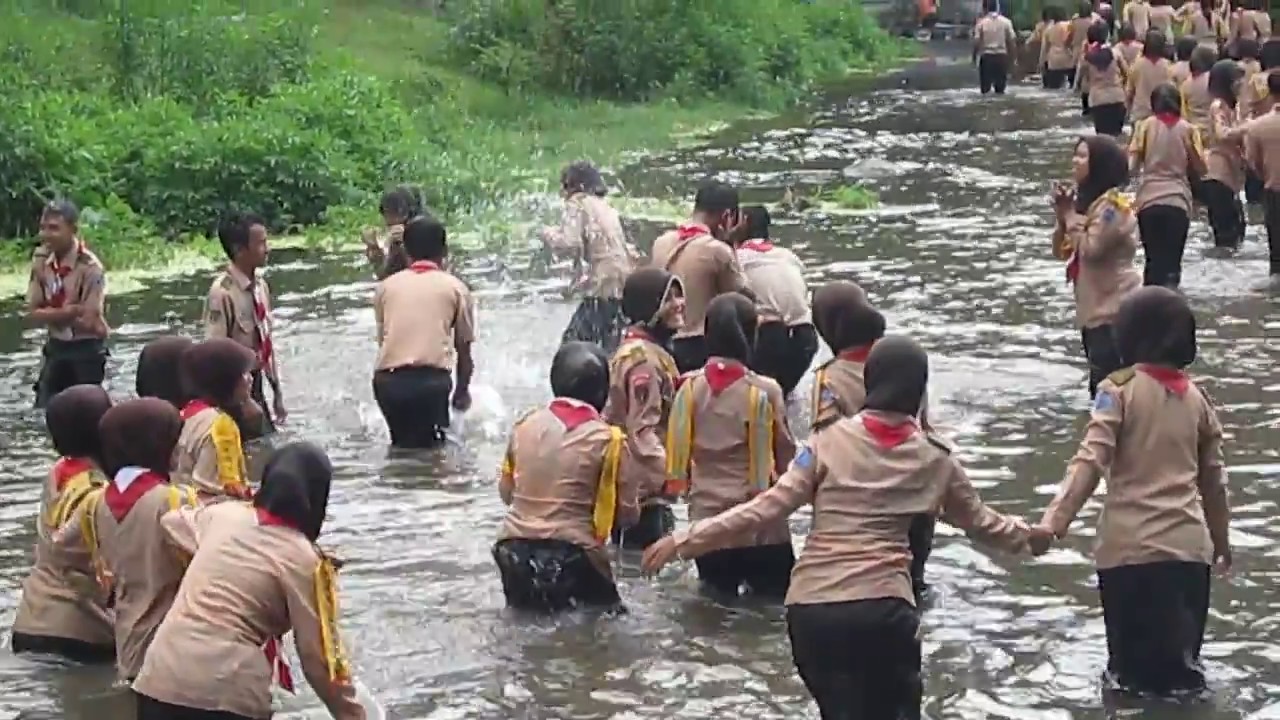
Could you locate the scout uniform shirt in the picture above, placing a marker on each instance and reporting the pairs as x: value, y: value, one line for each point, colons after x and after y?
x: 591, y: 226
x: 1224, y: 155
x: 1129, y: 51
x: 868, y: 477
x: 422, y: 315
x: 60, y: 595
x: 776, y: 276
x: 1247, y: 104
x: 840, y: 389
x: 1144, y: 76
x: 77, y: 279
x: 994, y: 35
x: 1105, y: 86
x: 120, y: 526
x: 239, y: 308
x: 1262, y: 148
x: 1157, y: 439
x: 1099, y: 247
x: 252, y: 579
x: 1196, y: 101
x: 728, y: 441
x: 1138, y: 14
x: 1167, y: 149
x: 1252, y: 25
x: 210, y: 454
x: 706, y: 267
x: 642, y: 385
x: 1055, y: 51
x: 1162, y: 17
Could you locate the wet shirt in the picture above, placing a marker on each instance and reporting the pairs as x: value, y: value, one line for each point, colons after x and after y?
x: 1224, y: 155
x: 1055, y: 50
x: 76, y: 279
x: 1262, y: 148
x: 210, y: 453
x: 776, y: 276
x: 1161, y: 454
x: 591, y: 224
x: 239, y: 307
x: 1167, y: 153
x: 1105, y: 85
x: 1100, y: 247
x: 250, y: 581
x: 1145, y: 75
x: 728, y: 441
x: 1196, y: 101
x: 866, y: 477
x: 423, y: 314
x: 993, y: 35
x: 60, y: 597
x: 642, y: 378
x: 706, y: 267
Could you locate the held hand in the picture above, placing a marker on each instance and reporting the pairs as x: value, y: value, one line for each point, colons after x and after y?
x: 370, y: 237
x: 658, y: 555
x: 1222, y: 560
x: 1062, y: 198
x: 1040, y: 539
x: 462, y: 400
x: 278, y: 408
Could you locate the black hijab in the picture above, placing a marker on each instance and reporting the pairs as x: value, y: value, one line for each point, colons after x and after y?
x: 1108, y: 168
x: 580, y: 371
x: 642, y: 296
x: 843, y: 316
x: 1098, y: 54
x: 139, y: 433
x: 731, y: 327
x: 295, y: 487
x: 896, y: 375
x: 72, y: 418
x: 214, y: 368
x: 1155, y: 325
x: 160, y: 370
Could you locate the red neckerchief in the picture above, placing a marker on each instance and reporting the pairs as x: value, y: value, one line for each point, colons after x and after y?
x: 60, y: 273
x: 1169, y: 119
x: 1175, y: 381
x: 856, y: 354
x: 1073, y: 268
x: 194, y: 408
x: 68, y: 467
x: 635, y: 333
x: 271, y: 649
x: 721, y: 373
x: 266, y: 349
x: 757, y: 245
x: 1093, y: 46
x: 423, y: 266
x: 571, y: 412
x: 120, y: 502
x: 886, y: 435
x: 689, y: 231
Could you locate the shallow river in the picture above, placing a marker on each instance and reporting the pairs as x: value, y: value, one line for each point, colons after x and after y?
x: 957, y: 257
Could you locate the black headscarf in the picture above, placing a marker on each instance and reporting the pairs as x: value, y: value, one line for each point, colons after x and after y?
x: 72, y: 418
x: 843, y: 316
x: 214, y: 368
x: 642, y: 296
x: 160, y: 370
x: 1108, y: 168
x: 295, y: 487
x: 731, y: 327
x: 139, y: 433
x: 1098, y: 54
x: 580, y: 370
x: 1155, y: 325
x: 896, y: 375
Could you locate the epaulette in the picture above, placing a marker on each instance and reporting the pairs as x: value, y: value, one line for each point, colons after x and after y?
x: 939, y: 443
x: 1119, y: 200
x: 224, y: 282
x: 1121, y: 376
x: 826, y: 364
x: 524, y: 416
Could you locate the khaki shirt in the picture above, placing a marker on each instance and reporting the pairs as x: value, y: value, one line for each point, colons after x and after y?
x: 77, y: 279
x: 1055, y: 49
x: 210, y: 455
x: 1145, y: 75
x: 423, y: 314
x: 993, y: 34
x: 591, y: 225
x: 1104, y: 241
x: 1138, y: 14
x: 642, y: 384
x: 1262, y: 148
x: 776, y: 276
x: 706, y: 267
x: 1105, y: 86
x: 1167, y: 156
x: 1224, y: 155
x: 230, y: 312
x: 1196, y: 101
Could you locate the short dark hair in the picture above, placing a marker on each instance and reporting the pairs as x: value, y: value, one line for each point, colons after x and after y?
x: 582, y: 176
x: 1203, y: 58
x: 715, y: 197
x: 233, y: 232
x: 1097, y: 33
x: 1248, y: 49
x: 1184, y: 46
x: 758, y: 221
x: 1166, y: 99
x: 1155, y: 44
x: 1128, y: 33
x: 62, y: 208
x: 425, y: 238
x: 402, y: 200
x: 990, y: 5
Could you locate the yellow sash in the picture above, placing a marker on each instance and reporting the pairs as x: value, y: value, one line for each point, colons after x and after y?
x: 606, y: 507
x: 89, y: 531
x: 74, y: 492
x: 230, y: 453
x: 760, y: 460
x: 335, y: 655
x: 680, y: 441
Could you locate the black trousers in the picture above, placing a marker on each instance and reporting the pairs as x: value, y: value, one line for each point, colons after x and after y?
x: 597, y: 320
x: 1101, y: 352
x: 859, y: 660
x: 1084, y: 104
x: 920, y: 539
x: 1155, y: 615
x: 254, y: 430
x: 69, y: 362
x: 690, y: 353
x: 551, y: 576
x: 1108, y: 119
x: 1271, y: 213
x: 1056, y: 79
x: 1164, y: 238
x: 784, y: 352
x: 1253, y: 187
x: 152, y: 709
x: 415, y: 403
x: 763, y: 570
x: 73, y: 650
x: 1071, y: 77
x: 1226, y: 214
x: 656, y: 522
x: 993, y: 73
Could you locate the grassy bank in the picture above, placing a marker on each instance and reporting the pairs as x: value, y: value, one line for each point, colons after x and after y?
x: 160, y: 119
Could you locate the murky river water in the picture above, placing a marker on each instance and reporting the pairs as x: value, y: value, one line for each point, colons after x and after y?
x: 957, y: 257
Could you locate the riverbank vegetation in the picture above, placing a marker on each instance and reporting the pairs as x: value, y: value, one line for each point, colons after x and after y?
x: 157, y: 116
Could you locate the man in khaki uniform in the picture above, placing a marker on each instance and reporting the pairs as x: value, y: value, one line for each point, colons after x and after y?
x: 67, y: 294
x: 239, y: 308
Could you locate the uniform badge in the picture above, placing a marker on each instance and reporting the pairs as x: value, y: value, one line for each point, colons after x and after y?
x: 826, y: 396
x: 804, y: 458
x: 1105, y: 402
x: 1109, y: 215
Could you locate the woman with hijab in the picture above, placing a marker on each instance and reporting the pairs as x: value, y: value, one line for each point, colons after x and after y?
x: 1155, y: 436
x: 1224, y: 159
x: 642, y: 384
x: 850, y: 610
x: 562, y: 479
x: 160, y: 372
x: 1168, y: 155
x: 210, y: 453
x: 1095, y: 234
x: 119, y: 525
x: 1103, y: 75
x: 60, y: 613
x: 256, y: 573
x: 723, y: 461
x: 1149, y: 71
x: 603, y: 260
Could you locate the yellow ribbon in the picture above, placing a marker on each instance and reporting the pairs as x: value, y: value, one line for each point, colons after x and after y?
x: 760, y: 459
x: 680, y: 441
x: 74, y: 492
x: 335, y: 655
x: 230, y: 453
x: 606, y: 506
x: 89, y: 531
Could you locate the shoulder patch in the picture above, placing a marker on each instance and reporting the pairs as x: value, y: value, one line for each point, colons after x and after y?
x: 1105, y: 401
x: 1122, y: 376
x: 805, y: 458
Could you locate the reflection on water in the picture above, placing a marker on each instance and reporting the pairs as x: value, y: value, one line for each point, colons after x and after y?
x: 958, y: 258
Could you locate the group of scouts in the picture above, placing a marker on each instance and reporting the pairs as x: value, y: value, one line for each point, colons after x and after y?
x: 670, y: 385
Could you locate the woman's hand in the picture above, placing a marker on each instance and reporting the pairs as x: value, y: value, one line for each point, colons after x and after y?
x: 1040, y: 539
x: 1222, y: 560
x: 1062, y: 198
x: 658, y: 555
